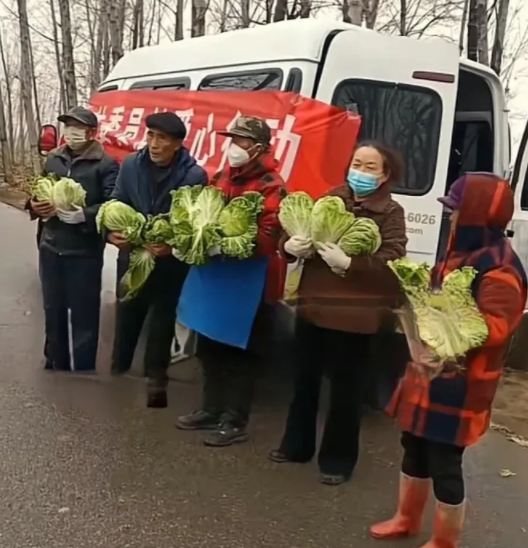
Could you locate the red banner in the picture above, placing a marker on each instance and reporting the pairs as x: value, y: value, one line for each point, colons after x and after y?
x: 312, y: 141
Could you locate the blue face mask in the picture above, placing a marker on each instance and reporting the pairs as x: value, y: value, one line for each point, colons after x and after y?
x: 362, y: 184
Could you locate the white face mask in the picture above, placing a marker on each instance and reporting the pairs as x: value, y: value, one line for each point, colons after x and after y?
x: 75, y: 137
x: 237, y: 156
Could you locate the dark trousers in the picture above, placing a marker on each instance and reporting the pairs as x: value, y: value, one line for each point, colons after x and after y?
x: 71, y: 290
x: 229, y: 380
x: 159, y: 297
x: 442, y: 462
x: 345, y: 357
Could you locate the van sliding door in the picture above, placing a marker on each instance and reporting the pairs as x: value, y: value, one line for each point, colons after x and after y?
x: 405, y: 92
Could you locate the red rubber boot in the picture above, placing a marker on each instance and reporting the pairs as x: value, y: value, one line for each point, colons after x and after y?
x: 407, y: 522
x: 448, y: 523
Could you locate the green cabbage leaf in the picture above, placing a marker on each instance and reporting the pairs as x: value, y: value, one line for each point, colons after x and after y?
x: 238, y: 225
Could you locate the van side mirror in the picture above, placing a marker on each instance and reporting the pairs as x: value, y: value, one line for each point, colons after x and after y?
x: 48, y: 139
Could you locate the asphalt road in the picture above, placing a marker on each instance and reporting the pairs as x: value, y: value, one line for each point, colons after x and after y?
x: 83, y: 464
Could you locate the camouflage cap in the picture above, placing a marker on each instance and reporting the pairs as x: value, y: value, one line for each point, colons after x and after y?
x: 250, y: 127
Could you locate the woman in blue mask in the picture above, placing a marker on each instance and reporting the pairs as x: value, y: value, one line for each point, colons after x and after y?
x: 343, y: 303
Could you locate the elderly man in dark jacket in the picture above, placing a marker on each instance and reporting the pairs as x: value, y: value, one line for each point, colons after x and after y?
x: 70, y: 249
x: 145, y: 183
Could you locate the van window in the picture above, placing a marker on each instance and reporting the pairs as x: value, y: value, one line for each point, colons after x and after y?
x: 471, y: 148
x: 170, y: 83
x: 407, y: 118
x: 107, y: 88
x: 269, y: 79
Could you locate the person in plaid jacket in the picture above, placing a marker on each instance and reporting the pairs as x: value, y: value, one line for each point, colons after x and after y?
x: 441, y: 417
x: 229, y: 371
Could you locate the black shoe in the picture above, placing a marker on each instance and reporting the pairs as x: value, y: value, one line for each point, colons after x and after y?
x: 48, y: 366
x: 276, y: 455
x: 157, y: 398
x: 199, y: 420
x: 225, y: 435
x: 333, y: 479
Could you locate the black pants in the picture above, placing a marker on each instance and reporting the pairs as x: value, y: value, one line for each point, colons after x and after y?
x: 71, y: 289
x: 229, y: 380
x: 159, y: 296
x: 345, y: 356
x: 442, y: 462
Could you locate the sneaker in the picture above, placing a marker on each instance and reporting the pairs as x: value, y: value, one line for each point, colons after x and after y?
x: 225, y: 435
x: 198, y: 420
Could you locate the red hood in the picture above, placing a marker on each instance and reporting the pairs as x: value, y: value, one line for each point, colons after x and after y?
x: 486, y: 210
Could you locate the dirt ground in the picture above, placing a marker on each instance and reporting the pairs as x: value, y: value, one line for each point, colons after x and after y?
x: 511, y: 404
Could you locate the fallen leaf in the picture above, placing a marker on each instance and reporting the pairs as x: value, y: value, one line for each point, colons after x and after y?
x: 507, y: 473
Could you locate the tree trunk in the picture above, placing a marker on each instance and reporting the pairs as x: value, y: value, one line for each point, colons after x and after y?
x: 68, y: 63
x: 4, y: 145
x: 58, y: 58
x: 463, y: 24
x: 353, y: 12
x: 9, y: 91
x: 199, y: 9
x: 473, y: 32
x: 500, y: 35
x: 245, y: 17
x: 305, y: 9
x: 178, y: 26
x: 138, y: 38
x: 115, y: 29
x: 26, y: 89
x: 482, y: 24
x: 281, y: 11
x: 403, y: 17
x: 370, y: 10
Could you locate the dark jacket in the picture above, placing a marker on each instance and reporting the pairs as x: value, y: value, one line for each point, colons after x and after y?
x: 135, y: 187
x: 97, y: 173
x: 362, y: 300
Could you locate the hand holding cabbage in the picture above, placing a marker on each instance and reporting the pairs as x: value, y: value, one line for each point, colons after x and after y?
x: 204, y: 226
x: 50, y: 194
x: 146, y: 236
x: 447, y: 320
x: 326, y: 221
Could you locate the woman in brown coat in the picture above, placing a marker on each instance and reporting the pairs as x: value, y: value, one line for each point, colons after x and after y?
x: 343, y: 302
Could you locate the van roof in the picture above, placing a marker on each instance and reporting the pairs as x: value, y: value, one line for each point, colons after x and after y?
x: 299, y: 39
x: 287, y: 40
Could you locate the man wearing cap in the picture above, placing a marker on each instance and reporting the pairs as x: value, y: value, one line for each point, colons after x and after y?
x: 229, y: 370
x: 70, y: 249
x: 145, y: 183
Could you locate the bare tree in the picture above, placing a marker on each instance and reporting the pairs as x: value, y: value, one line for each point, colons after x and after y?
x: 502, y: 7
x: 482, y: 26
x: 9, y: 93
x: 58, y: 57
x: 68, y: 63
x: 138, y: 28
x: 353, y: 11
x: 26, y: 86
x: 199, y: 10
x: 116, y: 14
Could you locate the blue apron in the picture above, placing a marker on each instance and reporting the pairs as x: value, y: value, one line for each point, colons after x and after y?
x: 220, y: 300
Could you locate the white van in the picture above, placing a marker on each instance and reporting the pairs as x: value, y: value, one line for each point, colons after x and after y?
x: 446, y: 115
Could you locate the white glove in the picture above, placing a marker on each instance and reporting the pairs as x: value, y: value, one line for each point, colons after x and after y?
x: 298, y: 247
x: 214, y: 251
x: 73, y: 217
x: 334, y: 257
